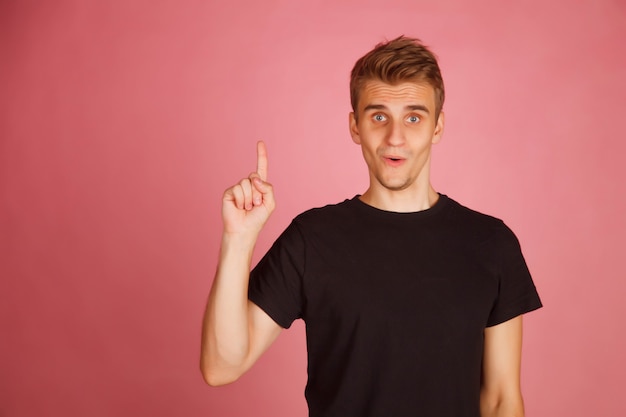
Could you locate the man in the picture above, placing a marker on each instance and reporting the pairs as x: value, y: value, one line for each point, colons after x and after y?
x: 412, y: 302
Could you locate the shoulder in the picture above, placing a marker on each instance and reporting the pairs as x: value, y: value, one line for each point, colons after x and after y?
x: 330, y: 212
x: 489, y: 236
x: 327, y: 221
x: 478, y: 223
x: 468, y: 214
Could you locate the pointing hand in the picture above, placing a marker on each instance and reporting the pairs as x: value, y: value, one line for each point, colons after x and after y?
x: 247, y: 205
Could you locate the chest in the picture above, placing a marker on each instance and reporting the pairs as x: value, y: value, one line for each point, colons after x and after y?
x: 400, y: 276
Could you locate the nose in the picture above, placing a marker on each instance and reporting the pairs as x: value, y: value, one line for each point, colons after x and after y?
x: 395, y: 133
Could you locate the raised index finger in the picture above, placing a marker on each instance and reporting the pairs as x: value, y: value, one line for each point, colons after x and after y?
x: 261, y: 162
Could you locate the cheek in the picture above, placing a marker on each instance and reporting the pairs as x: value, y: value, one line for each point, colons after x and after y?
x: 370, y: 142
x: 422, y: 135
x: 374, y: 133
x: 369, y: 152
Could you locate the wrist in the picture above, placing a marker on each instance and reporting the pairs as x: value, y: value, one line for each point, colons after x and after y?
x: 242, y: 240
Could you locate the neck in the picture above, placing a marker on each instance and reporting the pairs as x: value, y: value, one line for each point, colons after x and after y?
x: 401, y: 201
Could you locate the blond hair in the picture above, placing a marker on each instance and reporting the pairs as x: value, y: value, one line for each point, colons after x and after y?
x: 400, y: 60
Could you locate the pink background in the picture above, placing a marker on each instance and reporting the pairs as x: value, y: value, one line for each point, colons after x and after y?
x: 122, y: 122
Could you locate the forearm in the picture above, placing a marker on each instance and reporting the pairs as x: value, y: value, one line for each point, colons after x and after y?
x: 226, y: 334
x: 501, y: 407
x: 501, y: 394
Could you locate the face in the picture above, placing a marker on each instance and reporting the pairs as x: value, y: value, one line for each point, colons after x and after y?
x: 396, y: 128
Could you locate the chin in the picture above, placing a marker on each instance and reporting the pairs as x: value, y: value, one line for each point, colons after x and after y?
x: 395, y: 185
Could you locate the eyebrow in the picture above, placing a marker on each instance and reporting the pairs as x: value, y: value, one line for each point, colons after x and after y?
x: 419, y: 107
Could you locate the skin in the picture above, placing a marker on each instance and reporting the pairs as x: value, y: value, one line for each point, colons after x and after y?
x: 396, y: 126
x: 501, y: 394
x: 236, y: 331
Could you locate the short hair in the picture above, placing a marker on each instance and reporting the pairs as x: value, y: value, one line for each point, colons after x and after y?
x: 400, y: 60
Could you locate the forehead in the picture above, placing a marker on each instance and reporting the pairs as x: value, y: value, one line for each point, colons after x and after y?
x: 405, y: 93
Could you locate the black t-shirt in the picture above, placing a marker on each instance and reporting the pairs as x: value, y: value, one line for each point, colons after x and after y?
x: 395, y: 304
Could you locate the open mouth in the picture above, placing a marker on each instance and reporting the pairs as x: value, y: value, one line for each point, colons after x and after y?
x: 394, y: 161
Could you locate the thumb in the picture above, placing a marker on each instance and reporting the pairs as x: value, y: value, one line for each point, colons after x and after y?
x: 262, y: 186
x: 265, y: 191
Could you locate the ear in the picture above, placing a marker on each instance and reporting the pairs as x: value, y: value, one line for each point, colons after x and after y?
x: 354, y: 129
x: 438, y: 133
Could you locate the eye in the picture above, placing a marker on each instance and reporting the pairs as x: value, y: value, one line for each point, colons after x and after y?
x: 413, y: 119
x: 379, y: 117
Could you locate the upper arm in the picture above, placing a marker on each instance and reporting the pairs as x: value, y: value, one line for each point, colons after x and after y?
x: 263, y: 331
x: 501, y: 369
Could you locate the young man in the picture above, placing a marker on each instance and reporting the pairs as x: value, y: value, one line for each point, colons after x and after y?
x: 412, y: 302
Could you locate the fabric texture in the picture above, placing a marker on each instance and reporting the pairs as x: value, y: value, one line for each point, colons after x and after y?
x: 395, y: 304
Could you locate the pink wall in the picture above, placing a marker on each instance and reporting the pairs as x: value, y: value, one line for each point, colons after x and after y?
x: 121, y: 122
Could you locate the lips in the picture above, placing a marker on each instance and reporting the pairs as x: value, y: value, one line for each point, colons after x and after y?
x: 393, y: 160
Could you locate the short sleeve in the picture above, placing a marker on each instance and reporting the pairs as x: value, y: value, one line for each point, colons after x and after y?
x: 276, y: 281
x: 517, y: 293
